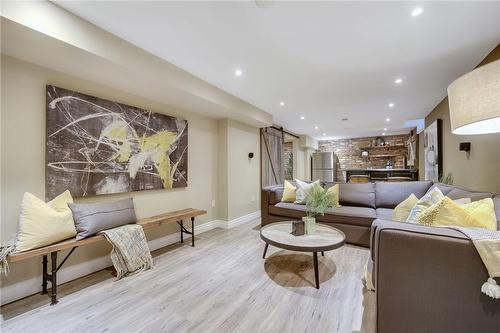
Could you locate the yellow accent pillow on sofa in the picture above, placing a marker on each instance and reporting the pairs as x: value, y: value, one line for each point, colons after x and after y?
x: 333, y: 194
x: 478, y: 214
x: 288, y: 192
x: 404, y: 208
x: 43, y: 223
x: 483, y: 211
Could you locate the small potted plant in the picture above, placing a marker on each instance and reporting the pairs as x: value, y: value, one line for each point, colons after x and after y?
x: 316, y: 203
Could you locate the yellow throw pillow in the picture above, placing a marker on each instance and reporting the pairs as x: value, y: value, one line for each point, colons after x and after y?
x: 43, y: 223
x: 333, y: 194
x: 478, y: 214
x: 288, y: 192
x: 429, y: 199
x: 404, y: 208
x: 484, y: 212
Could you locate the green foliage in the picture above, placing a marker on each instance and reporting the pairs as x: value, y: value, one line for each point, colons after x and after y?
x: 446, y: 179
x: 317, y: 201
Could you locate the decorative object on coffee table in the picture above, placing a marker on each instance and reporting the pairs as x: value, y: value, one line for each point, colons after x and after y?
x: 298, y: 228
x: 316, y: 203
x: 325, y: 238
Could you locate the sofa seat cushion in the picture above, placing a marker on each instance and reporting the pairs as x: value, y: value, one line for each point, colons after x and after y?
x: 360, y: 216
x: 288, y: 209
x: 385, y: 213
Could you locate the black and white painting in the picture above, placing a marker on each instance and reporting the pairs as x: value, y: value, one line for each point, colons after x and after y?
x: 432, y: 151
x: 96, y: 146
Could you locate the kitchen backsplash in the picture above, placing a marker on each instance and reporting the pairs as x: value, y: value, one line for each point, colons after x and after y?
x: 349, y: 151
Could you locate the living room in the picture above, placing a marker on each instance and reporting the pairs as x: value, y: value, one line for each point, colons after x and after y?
x: 250, y: 166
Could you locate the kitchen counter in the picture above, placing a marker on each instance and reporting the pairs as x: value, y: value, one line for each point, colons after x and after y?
x: 382, y: 174
x: 384, y: 169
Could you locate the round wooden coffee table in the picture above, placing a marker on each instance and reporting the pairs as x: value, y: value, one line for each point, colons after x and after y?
x: 325, y: 238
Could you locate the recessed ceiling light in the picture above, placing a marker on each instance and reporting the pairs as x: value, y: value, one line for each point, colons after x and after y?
x: 417, y: 11
x: 316, y: 127
x: 388, y: 119
x: 302, y: 117
x: 398, y: 80
x: 383, y: 133
x: 385, y: 129
x: 391, y: 105
x: 238, y: 72
x: 282, y: 103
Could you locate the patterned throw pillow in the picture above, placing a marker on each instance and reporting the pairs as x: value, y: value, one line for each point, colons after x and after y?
x: 429, y: 199
x: 288, y: 192
x: 446, y: 212
x: 303, y: 190
x: 402, y: 211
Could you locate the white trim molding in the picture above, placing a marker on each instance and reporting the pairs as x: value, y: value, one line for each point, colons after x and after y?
x: 31, y: 286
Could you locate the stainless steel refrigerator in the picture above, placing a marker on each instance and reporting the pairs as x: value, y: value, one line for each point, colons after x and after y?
x: 323, y: 167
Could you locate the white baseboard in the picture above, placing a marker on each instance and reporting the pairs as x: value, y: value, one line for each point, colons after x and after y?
x: 32, y: 286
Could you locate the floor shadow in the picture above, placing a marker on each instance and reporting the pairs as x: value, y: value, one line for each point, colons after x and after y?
x: 368, y: 321
x: 297, y: 270
x: 38, y: 300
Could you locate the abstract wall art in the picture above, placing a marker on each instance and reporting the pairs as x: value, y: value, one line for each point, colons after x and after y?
x: 96, y: 146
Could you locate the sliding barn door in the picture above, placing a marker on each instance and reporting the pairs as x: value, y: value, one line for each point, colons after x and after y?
x: 271, y: 149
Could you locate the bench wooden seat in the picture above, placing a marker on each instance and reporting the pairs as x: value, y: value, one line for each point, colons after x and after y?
x: 178, y: 217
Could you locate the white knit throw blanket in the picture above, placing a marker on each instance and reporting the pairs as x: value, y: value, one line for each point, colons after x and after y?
x: 487, y: 244
x: 130, y: 252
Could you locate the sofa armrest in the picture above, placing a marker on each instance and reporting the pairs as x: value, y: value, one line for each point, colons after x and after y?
x: 268, y: 197
x: 428, y: 279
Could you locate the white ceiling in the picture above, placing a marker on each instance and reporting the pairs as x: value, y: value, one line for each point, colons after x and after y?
x: 325, y: 60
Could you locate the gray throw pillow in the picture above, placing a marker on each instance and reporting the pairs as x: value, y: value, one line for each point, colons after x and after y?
x: 94, y: 217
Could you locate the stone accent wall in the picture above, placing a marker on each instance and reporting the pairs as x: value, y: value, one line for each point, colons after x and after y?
x: 348, y: 152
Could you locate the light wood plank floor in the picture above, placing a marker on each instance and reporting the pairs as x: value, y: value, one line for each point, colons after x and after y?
x: 221, y: 285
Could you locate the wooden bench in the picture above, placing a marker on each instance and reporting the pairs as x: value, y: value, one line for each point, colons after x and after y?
x: 172, y: 217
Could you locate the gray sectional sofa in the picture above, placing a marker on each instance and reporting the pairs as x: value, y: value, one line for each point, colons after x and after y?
x: 427, y: 279
x: 361, y: 204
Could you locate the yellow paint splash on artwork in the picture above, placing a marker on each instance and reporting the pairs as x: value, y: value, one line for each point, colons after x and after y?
x: 158, y: 146
x: 118, y: 131
x: 154, y: 147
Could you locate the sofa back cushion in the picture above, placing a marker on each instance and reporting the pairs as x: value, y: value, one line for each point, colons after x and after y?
x: 275, y: 193
x: 454, y: 192
x: 389, y: 195
x: 357, y: 194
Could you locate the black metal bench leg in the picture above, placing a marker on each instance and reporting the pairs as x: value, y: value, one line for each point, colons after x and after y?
x: 53, y: 278
x: 182, y: 232
x: 192, y: 231
x: 44, y: 275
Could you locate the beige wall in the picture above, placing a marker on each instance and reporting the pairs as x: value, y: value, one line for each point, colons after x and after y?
x: 480, y: 170
x: 241, y: 193
x: 23, y: 164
